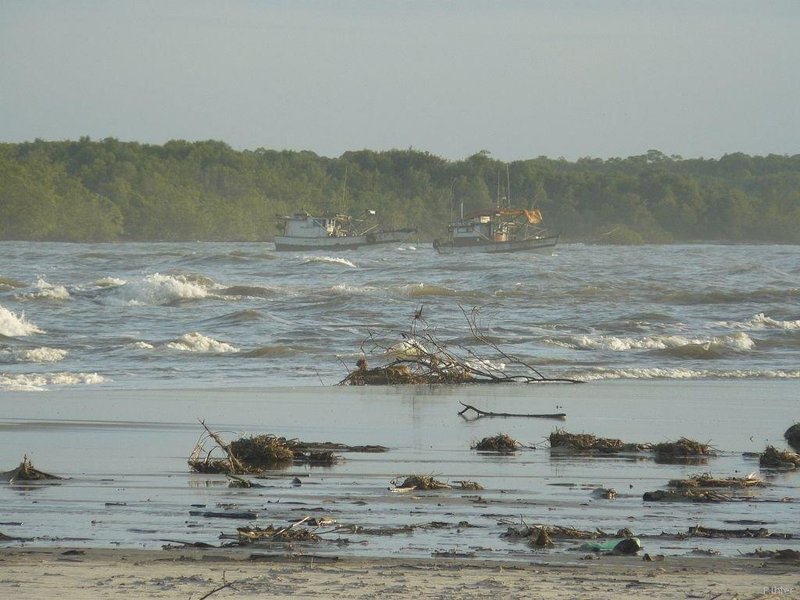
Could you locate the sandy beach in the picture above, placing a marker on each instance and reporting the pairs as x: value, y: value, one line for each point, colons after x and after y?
x: 127, y: 492
x: 193, y: 574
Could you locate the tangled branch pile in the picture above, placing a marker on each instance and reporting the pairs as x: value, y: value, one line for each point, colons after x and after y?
x: 498, y: 443
x: 586, y: 443
x: 249, y: 535
x: 681, y: 450
x: 421, y: 358
x: 685, y: 495
x: 706, y: 480
x: 421, y: 482
x: 254, y: 454
x: 772, y: 458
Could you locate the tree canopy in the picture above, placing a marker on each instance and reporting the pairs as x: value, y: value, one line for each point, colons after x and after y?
x: 109, y: 190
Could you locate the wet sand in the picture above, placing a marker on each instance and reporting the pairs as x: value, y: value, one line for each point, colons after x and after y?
x: 100, y: 532
x: 107, y: 573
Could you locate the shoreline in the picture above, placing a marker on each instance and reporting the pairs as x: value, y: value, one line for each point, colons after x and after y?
x: 70, y: 574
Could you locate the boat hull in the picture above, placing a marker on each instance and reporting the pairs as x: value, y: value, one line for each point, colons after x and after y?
x: 540, y: 244
x: 293, y: 243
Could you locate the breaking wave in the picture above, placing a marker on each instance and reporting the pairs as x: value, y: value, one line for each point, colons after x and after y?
x: 761, y: 321
x: 39, y: 355
x: 158, y: 289
x: 672, y: 344
x: 38, y: 382
x: 328, y: 260
x: 47, y: 291
x: 602, y: 373
x: 197, y: 342
x: 12, y: 325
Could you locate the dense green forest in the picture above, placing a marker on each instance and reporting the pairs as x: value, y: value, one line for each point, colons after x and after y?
x: 110, y: 190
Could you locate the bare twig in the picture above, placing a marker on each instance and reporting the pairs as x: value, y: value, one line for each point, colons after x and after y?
x: 228, y: 584
x: 482, y: 413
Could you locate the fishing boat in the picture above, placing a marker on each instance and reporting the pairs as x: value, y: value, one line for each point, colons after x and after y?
x: 303, y: 231
x: 498, y: 230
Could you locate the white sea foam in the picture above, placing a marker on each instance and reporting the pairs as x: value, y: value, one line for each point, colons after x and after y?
x: 140, y: 345
x: 738, y: 341
x: 47, y: 291
x: 351, y: 290
x: 12, y: 325
x: 765, y: 322
x: 162, y: 289
x: 38, y: 382
x: 196, y: 342
x: 109, y: 282
x: 331, y: 260
x: 601, y: 373
x: 41, y: 355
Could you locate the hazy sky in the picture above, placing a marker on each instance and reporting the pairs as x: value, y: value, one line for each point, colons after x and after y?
x: 517, y: 78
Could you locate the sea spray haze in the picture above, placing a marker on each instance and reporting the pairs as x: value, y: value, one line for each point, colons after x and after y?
x: 199, y: 314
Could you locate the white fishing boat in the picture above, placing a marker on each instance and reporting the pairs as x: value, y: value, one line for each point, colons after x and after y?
x: 496, y: 230
x: 303, y: 231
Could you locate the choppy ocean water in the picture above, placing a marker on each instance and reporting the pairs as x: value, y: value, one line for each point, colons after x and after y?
x: 111, y: 353
x: 125, y: 316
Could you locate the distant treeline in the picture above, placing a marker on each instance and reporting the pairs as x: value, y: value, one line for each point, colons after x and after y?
x: 111, y: 190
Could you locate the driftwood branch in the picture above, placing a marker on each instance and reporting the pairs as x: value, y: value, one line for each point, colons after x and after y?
x: 217, y: 589
x: 235, y: 464
x: 482, y: 413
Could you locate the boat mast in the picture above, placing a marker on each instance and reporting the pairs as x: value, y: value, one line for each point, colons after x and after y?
x: 508, y: 188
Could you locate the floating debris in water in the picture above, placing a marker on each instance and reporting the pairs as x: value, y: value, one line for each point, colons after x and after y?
x: 772, y: 458
x: 498, y: 443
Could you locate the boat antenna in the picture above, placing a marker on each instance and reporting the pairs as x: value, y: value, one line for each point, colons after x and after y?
x: 508, y: 188
x: 344, y: 191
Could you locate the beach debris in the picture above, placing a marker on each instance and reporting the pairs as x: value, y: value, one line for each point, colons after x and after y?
x: 523, y: 531
x: 234, y: 481
x: 706, y: 480
x: 613, y: 546
x: 420, y: 357
x: 772, y: 458
x: 657, y: 557
x: 685, y: 495
x: 171, y: 544
x: 787, y: 554
x: 710, y: 532
x: 502, y: 442
x: 792, y: 436
x: 27, y: 472
x: 482, y: 413
x: 681, y: 451
x: 291, y: 533
x: 257, y: 453
x: 242, y: 515
x: 419, y: 482
x: 586, y: 443
x: 469, y: 485
x: 602, y: 493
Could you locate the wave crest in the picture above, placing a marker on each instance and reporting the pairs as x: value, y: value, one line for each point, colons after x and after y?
x: 38, y: 382
x: 197, y: 342
x: 13, y: 325
x: 328, y: 260
x: 677, y: 344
